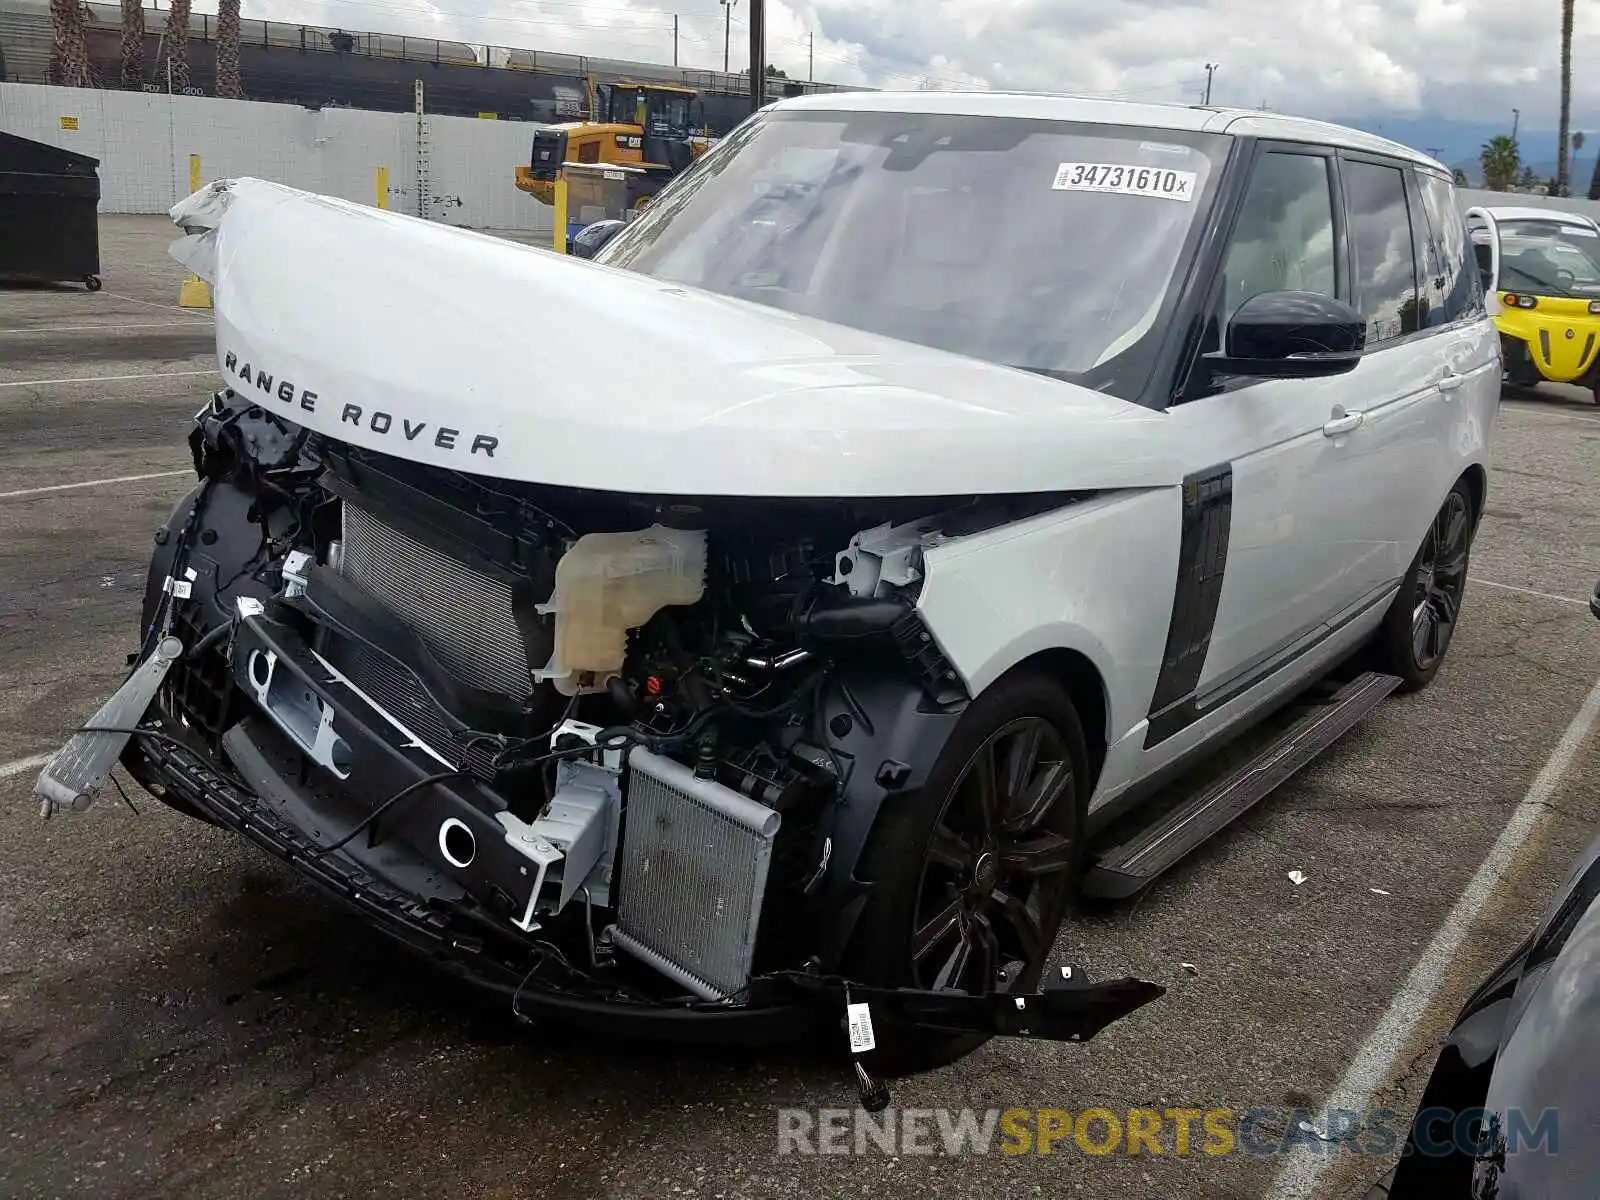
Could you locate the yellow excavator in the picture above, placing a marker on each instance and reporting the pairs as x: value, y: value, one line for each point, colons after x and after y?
x: 647, y: 127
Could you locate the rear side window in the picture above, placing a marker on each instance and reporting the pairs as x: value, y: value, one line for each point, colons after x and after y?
x: 1384, y: 259
x: 1454, y: 287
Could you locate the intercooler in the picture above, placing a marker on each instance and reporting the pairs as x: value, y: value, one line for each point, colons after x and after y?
x: 465, y: 616
x: 694, y: 870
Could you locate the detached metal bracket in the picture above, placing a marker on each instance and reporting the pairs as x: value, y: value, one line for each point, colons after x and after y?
x: 81, y: 767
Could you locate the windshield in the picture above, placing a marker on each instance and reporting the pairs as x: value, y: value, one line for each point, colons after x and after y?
x: 1048, y: 246
x: 1549, y: 258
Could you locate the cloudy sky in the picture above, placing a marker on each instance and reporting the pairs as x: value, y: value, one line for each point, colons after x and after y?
x: 1466, y: 59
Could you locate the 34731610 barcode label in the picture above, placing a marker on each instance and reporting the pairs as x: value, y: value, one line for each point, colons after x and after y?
x: 1125, y: 180
x: 859, y: 1018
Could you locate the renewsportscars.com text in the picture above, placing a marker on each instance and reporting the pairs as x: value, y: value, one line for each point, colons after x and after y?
x: 1254, y: 1132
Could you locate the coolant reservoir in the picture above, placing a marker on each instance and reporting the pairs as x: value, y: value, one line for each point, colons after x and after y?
x: 609, y: 583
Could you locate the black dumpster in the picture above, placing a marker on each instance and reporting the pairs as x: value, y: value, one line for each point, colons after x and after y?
x: 49, y: 213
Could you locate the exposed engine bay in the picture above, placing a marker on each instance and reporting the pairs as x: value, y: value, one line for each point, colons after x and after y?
x: 623, y: 750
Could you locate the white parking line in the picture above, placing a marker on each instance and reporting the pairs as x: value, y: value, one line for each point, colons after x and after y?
x: 1375, y: 1063
x: 113, y: 328
x: 104, y: 378
x: 1511, y: 587
x: 148, y: 303
x: 23, y: 764
x: 88, y: 483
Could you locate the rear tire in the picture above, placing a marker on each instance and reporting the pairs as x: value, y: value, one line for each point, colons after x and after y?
x: 970, y: 882
x: 1420, y: 624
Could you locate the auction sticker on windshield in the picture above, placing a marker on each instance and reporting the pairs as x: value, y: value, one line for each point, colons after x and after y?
x: 1125, y: 180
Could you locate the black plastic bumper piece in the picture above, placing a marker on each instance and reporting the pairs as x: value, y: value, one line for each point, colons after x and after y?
x: 1072, y: 1012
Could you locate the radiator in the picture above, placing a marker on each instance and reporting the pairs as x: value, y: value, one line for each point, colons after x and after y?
x: 465, y: 616
x: 693, y: 872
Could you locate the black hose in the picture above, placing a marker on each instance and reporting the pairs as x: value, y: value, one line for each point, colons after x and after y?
x: 405, y: 793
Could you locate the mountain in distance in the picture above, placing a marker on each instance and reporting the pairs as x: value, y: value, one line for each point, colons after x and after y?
x: 1458, y: 143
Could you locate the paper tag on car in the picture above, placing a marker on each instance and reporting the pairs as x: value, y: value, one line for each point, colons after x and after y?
x: 859, y: 1019
x: 1124, y: 180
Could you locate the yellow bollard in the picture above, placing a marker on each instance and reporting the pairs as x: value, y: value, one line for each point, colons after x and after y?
x: 195, y: 293
x: 380, y: 187
x: 560, y: 207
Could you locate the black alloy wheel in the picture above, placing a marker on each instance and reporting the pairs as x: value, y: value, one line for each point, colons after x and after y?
x: 1440, y: 582
x: 1421, y: 621
x: 994, y: 871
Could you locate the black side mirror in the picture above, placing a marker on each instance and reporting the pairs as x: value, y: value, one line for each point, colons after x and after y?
x: 1292, y: 335
x: 593, y: 236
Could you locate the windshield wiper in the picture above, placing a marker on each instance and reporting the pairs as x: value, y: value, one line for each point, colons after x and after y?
x: 1555, y: 288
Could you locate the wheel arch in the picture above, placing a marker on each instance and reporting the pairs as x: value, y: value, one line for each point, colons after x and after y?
x: 1085, y: 686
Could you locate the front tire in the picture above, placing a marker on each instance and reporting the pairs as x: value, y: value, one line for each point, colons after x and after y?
x: 1421, y: 623
x: 972, y: 873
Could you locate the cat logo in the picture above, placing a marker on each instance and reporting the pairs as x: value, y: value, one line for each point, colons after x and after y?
x: 630, y: 141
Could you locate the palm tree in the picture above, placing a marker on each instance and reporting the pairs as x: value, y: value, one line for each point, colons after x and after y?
x: 69, y: 56
x: 1502, y: 161
x: 177, y: 39
x: 1563, y: 183
x: 228, y: 85
x: 132, y: 44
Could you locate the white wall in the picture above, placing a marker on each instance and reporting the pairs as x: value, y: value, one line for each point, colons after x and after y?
x: 144, y: 141
x: 1472, y: 196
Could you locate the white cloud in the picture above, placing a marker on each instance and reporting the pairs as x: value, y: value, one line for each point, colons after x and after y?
x: 1457, y: 58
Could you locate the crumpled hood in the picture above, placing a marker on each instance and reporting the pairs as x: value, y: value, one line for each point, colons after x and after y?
x: 467, y: 351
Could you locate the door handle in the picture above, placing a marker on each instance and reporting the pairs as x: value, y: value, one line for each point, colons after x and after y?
x: 1342, y: 422
x: 1451, y: 382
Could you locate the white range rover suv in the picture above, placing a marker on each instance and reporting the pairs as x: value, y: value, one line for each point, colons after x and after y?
x: 790, y: 607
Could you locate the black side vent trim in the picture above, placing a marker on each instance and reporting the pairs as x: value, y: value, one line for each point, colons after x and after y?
x: 1202, y: 558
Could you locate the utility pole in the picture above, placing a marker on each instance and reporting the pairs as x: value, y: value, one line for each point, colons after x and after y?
x: 1211, y: 69
x: 674, y: 39
x: 811, y: 58
x: 758, y: 54
x: 727, y: 24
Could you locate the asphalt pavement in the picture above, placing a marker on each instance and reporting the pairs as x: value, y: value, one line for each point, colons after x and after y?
x: 180, y: 1016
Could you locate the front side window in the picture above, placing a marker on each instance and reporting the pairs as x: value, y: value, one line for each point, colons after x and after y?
x: 1283, y: 238
x: 1384, y: 258
x: 1051, y: 246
